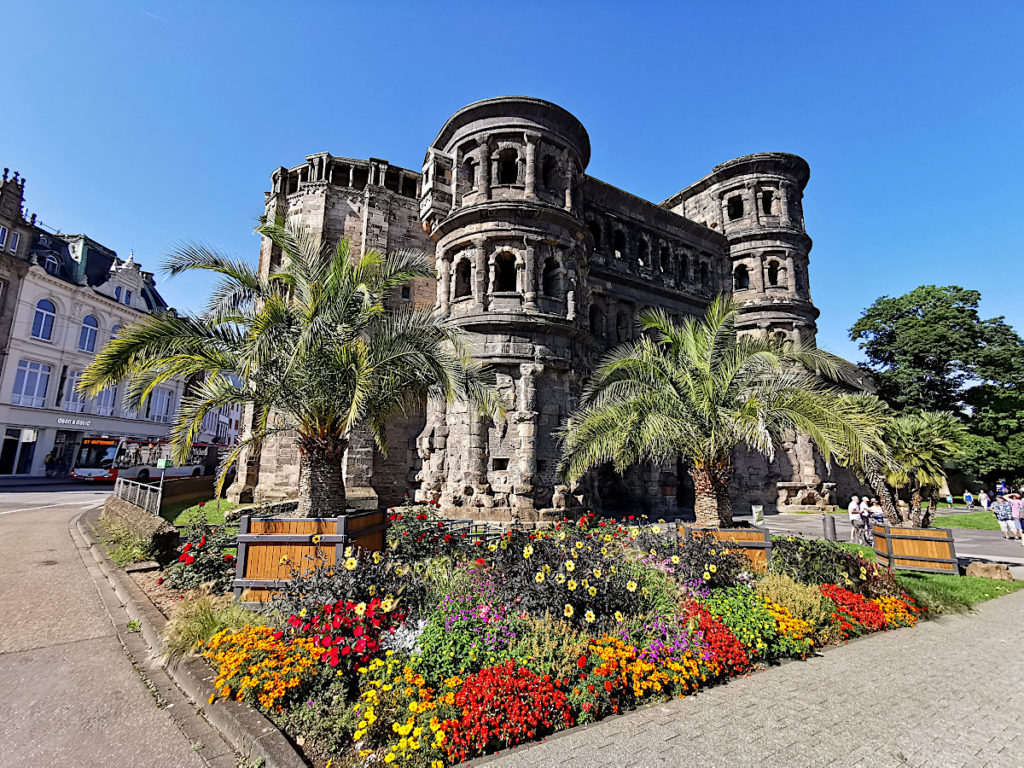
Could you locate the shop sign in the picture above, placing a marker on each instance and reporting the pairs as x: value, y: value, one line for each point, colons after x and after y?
x: 65, y: 422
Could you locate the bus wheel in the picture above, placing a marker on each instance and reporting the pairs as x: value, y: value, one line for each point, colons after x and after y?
x: 143, y: 476
x: 196, y: 472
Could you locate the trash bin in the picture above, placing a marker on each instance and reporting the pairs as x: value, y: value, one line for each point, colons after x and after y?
x: 757, y: 511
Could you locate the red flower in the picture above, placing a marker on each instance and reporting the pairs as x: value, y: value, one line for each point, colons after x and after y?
x: 187, y: 547
x: 202, y: 541
x: 581, y: 662
x: 229, y: 558
x: 189, y: 559
x: 481, y: 562
x: 202, y: 503
x: 160, y: 581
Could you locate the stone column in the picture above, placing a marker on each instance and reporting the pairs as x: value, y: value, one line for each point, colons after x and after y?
x: 784, y: 192
x: 485, y: 166
x: 532, y: 140
x: 530, y: 276
x: 570, y: 202
x: 526, y: 424
x: 791, y: 274
x: 482, y: 288
x: 757, y: 274
x: 444, y: 268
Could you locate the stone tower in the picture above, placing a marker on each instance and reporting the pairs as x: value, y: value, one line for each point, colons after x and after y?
x: 500, y: 197
x: 755, y: 201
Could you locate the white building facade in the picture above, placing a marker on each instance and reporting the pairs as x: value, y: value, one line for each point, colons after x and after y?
x: 75, y: 297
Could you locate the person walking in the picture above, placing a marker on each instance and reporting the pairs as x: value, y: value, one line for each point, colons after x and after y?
x: 1016, y: 507
x: 949, y: 500
x: 985, y: 500
x: 1004, y: 514
x: 856, y: 521
x: 969, y: 499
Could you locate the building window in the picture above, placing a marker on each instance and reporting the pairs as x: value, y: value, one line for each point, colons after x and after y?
x: 551, y: 280
x: 115, y: 331
x: 117, y: 293
x: 50, y: 264
x: 30, y: 383
x: 15, y: 239
x: 104, y: 403
x: 643, y: 252
x: 42, y: 323
x: 469, y: 173
x: 735, y: 207
x: 596, y: 320
x: 773, y: 273
x: 128, y: 298
x: 767, y: 197
x: 499, y: 465
x: 621, y: 327
x: 549, y: 174
x: 684, y: 267
x: 74, y: 401
x: 463, y: 285
x: 705, y: 276
x: 741, y: 278
x: 505, y: 273
x: 87, y: 336
x: 595, y: 232
x: 619, y: 244
x: 666, y: 259
x: 159, y: 405
x: 406, y: 293
x: 3, y: 236
x: 508, y: 166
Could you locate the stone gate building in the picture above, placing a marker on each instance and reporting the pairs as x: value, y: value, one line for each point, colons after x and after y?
x: 546, y: 268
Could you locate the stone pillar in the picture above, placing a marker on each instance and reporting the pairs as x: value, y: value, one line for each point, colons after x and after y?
x: 530, y: 276
x: 757, y: 274
x: 444, y: 290
x: 485, y: 166
x: 570, y: 202
x: 791, y: 274
x: 784, y: 193
x: 482, y: 288
x: 532, y: 140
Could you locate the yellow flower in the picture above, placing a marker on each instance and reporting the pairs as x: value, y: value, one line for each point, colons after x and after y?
x: 350, y: 564
x: 571, y: 585
x: 539, y: 578
x: 631, y: 586
x: 360, y: 609
x: 560, y: 578
x: 655, y: 529
x: 589, y: 616
x: 618, y: 616
x: 675, y: 559
x: 712, y: 551
x: 597, y: 573
x: 210, y: 701
x: 713, y: 568
x: 579, y: 545
x: 387, y: 604
x: 389, y: 757
x: 592, y: 591
x: 527, y: 551
x: 377, y: 557
x: 707, y: 576
x: 492, y: 547
x: 348, y: 551
x: 568, y: 612
x: 283, y: 560
x: 316, y: 539
x: 570, y: 565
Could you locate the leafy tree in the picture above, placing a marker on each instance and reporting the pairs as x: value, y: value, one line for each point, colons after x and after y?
x: 922, y: 445
x: 697, y: 390
x: 928, y: 346
x: 315, y: 347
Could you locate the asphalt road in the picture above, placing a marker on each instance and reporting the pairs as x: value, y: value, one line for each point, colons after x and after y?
x: 70, y: 695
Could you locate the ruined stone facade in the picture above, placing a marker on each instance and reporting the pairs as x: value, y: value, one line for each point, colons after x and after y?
x: 546, y: 267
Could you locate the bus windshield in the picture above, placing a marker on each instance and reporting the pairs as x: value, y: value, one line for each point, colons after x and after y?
x: 96, y: 454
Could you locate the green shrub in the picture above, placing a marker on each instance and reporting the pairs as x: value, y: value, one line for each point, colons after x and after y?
x: 201, y: 615
x: 124, y: 544
x: 811, y: 561
x: 550, y: 646
x: 805, y: 603
x: 207, y: 557
x: 750, y: 620
x: 324, y: 723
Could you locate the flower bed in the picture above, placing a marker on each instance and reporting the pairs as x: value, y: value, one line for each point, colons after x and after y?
x: 441, y: 650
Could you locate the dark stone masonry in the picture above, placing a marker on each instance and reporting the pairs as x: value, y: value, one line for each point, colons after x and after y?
x: 546, y: 268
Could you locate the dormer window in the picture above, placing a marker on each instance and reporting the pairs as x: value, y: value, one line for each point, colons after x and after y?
x: 50, y: 264
x: 128, y: 298
x: 117, y: 293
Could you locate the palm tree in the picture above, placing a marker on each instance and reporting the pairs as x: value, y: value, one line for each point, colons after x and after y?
x: 697, y: 390
x: 922, y: 444
x: 875, y: 460
x: 314, y: 347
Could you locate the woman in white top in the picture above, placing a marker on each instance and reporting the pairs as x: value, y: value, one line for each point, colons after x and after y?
x: 856, y: 521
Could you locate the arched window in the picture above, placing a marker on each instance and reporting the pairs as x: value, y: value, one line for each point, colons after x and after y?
x: 773, y: 273
x: 741, y: 278
x: 50, y: 264
x: 666, y: 259
x: 551, y: 281
x: 42, y: 323
x: 734, y: 207
x: 115, y: 331
x: 505, y: 273
x: 549, y: 174
x: 684, y: 268
x: 619, y: 244
x: 87, y: 336
x: 596, y: 320
x: 595, y: 232
x: 643, y: 252
x: 469, y: 173
x: 705, y: 276
x: 508, y: 166
x: 621, y: 327
x: 463, y: 273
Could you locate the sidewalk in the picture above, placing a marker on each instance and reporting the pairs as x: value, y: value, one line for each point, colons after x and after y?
x: 946, y: 693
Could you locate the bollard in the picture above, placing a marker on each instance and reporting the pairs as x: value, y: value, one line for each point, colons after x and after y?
x: 828, y: 522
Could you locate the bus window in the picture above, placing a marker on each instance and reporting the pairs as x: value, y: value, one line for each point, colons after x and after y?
x: 96, y: 454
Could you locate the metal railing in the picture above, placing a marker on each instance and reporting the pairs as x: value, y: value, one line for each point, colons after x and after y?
x: 141, y: 495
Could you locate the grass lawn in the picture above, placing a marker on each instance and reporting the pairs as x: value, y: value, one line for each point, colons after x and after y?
x: 980, y: 521
x: 185, y: 512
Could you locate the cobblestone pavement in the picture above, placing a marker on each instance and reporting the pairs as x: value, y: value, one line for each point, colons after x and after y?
x: 946, y: 693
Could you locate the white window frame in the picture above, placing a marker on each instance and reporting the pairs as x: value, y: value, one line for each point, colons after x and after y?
x: 127, y: 297
x: 104, y: 402
x: 49, y: 261
x: 31, y: 397
x: 159, y: 409
x: 89, y: 334
x: 3, y: 236
x: 45, y: 313
x: 74, y: 401
x: 15, y: 240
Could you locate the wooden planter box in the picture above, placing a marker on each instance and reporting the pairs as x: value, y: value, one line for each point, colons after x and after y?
x: 754, y: 543
x: 270, y: 547
x: 929, y: 550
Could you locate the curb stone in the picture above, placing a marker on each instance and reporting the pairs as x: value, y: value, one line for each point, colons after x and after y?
x: 253, y: 737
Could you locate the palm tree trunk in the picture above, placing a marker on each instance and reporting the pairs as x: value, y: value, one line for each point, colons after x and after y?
x: 915, y: 507
x: 877, y: 482
x: 321, y: 478
x: 712, y: 504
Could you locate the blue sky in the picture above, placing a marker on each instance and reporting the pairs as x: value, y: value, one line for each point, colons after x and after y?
x: 145, y: 123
